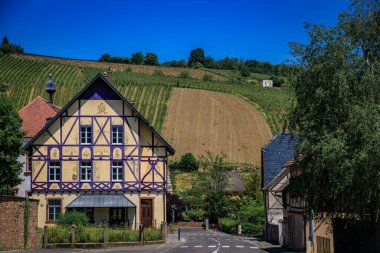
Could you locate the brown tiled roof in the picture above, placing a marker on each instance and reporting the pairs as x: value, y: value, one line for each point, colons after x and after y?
x: 34, y: 115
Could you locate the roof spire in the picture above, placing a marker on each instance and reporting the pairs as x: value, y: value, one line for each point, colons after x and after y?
x: 50, y: 89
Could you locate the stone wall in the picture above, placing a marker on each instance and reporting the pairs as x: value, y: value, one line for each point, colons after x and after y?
x: 12, y: 223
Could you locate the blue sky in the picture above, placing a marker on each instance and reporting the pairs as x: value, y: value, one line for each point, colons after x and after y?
x: 247, y: 29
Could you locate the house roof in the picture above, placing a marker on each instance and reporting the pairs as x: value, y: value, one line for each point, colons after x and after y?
x: 34, y: 115
x: 101, y: 200
x: 276, y: 154
x: 97, y: 80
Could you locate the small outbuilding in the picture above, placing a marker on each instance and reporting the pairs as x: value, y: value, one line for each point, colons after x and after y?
x: 266, y: 83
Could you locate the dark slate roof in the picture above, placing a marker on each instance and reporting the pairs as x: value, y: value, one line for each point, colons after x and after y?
x: 275, y: 154
x: 101, y: 200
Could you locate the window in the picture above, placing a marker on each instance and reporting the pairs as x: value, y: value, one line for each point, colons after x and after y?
x: 86, y: 135
x: 54, y: 171
x: 117, y: 135
x: 86, y: 171
x: 54, y: 209
x: 117, y: 171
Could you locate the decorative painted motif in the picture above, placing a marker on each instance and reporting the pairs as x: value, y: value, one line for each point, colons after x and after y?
x: 102, y: 109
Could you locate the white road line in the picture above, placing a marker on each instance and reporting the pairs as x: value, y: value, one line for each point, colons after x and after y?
x: 198, y: 246
x: 212, y: 246
x: 239, y: 246
x: 225, y: 246
x: 254, y: 247
x: 184, y: 246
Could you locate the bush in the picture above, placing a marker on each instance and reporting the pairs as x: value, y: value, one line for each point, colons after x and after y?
x: 244, y: 71
x: 59, y: 234
x: 73, y: 218
x: 197, y: 214
x: 188, y: 161
x: 184, y: 74
x: 89, y: 234
x: 158, y: 73
x: 228, y: 225
x: 184, y: 216
x: 151, y: 234
x: 122, y: 235
x: 278, y: 81
x: 129, y: 69
x: 207, y: 77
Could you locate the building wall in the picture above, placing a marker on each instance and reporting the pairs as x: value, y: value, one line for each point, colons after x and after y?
x: 101, y: 214
x: 12, y: 223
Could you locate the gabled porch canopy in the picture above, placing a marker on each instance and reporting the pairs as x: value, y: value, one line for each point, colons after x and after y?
x: 101, y: 200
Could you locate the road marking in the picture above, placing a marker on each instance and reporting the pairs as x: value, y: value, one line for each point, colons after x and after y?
x: 238, y: 246
x: 254, y: 247
x: 225, y: 246
x: 184, y: 246
x: 217, y: 249
x: 212, y: 246
x: 198, y: 246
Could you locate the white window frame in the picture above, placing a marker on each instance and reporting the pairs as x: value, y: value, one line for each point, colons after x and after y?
x: 119, y: 135
x: 87, y: 135
x: 87, y: 169
x: 56, y: 209
x: 55, y: 168
x: 119, y: 171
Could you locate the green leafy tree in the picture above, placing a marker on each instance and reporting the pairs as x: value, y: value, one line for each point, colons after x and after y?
x: 8, y: 48
x: 137, y: 58
x: 337, y: 115
x: 151, y: 59
x: 105, y: 58
x: 197, y: 58
x: 10, y: 143
x: 244, y: 71
x: 188, y: 161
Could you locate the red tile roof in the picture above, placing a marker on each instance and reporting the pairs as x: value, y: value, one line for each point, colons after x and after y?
x: 34, y: 115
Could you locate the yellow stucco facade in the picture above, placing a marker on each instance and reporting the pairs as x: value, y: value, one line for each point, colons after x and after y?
x: 99, y: 144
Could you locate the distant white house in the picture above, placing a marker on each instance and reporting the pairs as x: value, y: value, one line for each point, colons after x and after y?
x: 266, y: 83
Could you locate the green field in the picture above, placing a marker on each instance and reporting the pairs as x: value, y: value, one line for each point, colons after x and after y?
x: 150, y: 92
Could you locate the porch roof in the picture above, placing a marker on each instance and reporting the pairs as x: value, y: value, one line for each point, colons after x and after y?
x: 101, y: 200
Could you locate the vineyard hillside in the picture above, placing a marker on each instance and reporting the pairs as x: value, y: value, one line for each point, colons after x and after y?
x: 26, y: 76
x: 200, y: 120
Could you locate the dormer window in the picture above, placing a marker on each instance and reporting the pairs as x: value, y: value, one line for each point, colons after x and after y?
x: 86, y: 135
x: 117, y: 135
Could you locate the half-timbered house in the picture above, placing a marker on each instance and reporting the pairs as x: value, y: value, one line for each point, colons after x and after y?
x: 98, y: 154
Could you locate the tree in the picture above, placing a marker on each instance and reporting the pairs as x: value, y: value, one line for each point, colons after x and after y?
x: 151, y: 59
x: 278, y: 81
x: 105, y: 58
x: 10, y: 144
x: 337, y: 115
x: 188, y: 161
x: 244, y: 71
x: 137, y: 58
x: 197, y: 58
x: 8, y: 48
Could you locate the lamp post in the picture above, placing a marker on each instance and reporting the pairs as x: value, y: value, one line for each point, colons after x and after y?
x: 7, y: 162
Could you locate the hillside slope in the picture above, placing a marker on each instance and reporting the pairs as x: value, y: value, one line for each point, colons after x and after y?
x: 200, y: 120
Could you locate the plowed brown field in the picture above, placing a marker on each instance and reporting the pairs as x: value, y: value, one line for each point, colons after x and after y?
x: 199, y: 120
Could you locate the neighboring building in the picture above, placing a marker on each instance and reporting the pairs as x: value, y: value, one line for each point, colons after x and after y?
x: 274, y: 156
x: 34, y: 117
x: 266, y: 83
x: 296, y: 226
x: 99, y: 155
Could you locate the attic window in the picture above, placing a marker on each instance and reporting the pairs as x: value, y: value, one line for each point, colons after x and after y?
x: 86, y: 135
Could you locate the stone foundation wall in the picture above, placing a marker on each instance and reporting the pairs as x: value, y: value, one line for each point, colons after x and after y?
x: 12, y: 223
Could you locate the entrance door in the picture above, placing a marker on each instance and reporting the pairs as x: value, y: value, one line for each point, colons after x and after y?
x: 146, y: 212
x: 117, y: 216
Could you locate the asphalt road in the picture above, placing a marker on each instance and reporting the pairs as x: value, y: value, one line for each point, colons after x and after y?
x: 192, y: 240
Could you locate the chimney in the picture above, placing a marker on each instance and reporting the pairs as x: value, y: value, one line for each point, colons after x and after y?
x: 109, y: 75
x: 50, y: 89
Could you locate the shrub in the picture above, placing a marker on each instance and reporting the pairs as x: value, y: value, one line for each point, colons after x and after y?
x: 197, y: 214
x: 89, y: 234
x: 59, y: 234
x: 151, y: 234
x: 278, y: 81
x: 122, y: 235
x: 228, y: 225
x: 244, y: 71
x: 184, y: 74
x: 184, y: 216
x: 73, y: 218
x: 129, y: 69
x: 188, y: 161
x: 207, y: 77
x: 158, y: 72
